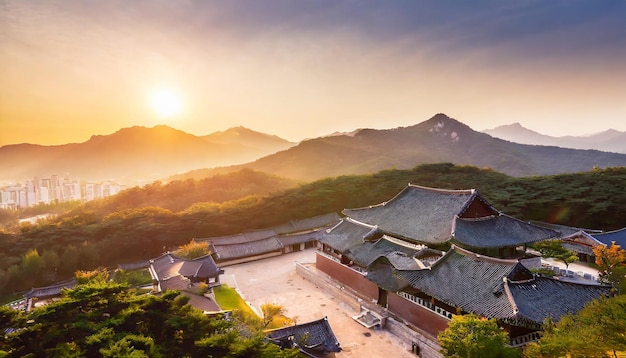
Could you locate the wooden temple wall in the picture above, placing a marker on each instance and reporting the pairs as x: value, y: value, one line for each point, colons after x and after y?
x: 416, y: 315
x: 347, y: 276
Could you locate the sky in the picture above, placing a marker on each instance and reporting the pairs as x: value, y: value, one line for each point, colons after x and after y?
x: 301, y: 69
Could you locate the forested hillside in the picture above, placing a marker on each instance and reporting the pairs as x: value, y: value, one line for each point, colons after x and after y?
x: 124, y: 229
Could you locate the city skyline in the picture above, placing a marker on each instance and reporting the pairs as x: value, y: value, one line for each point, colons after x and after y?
x: 298, y: 70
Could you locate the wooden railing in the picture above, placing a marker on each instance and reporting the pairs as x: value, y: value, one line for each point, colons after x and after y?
x: 525, y: 339
x: 419, y: 301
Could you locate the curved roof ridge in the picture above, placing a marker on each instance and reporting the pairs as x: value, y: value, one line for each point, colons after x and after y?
x: 444, y: 191
x: 610, y: 232
x: 403, y: 243
x: 481, y: 218
x: 357, y: 222
x: 585, y: 235
x: 380, y: 204
x: 509, y: 296
x: 414, y: 186
x: 465, y: 252
x: 330, y: 229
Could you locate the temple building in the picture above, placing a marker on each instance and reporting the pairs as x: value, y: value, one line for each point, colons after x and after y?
x: 428, y: 254
x: 313, y: 339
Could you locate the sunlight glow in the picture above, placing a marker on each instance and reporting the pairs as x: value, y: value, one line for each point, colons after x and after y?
x: 166, y: 102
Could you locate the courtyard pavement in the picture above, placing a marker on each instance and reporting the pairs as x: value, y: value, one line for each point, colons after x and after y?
x: 275, y: 280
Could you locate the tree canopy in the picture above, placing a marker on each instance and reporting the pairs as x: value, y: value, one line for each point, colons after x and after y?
x: 555, y: 250
x: 101, y: 318
x: 469, y: 336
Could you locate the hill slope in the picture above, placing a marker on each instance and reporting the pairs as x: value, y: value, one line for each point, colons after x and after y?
x: 135, y: 155
x: 609, y: 141
x: 439, y: 139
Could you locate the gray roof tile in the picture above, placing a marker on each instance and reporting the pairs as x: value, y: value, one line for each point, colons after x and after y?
x: 417, y: 213
x: 238, y: 250
x: 479, y: 285
x: 311, y: 336
x: 544, y: 297
x: 498, y: 231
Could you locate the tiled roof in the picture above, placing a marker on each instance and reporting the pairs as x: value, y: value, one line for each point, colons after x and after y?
x: 402, y: 261
x: 384, y: 275
x: 345, y: 235
x: 240, y: 238
x: 563, y: 229
x: 417, y: 213
x: 367, y: 252
x: 580, y: 242
x: 172, y: 271
x: 292, y: 239
x: 619, y: 236
x: 497, y: 288
x: 463, y: 279
x: 308, y: 224
x: 134, y: 265
x: 50, y: 291
x: 544, y: 297
x: 201, y: 267
x: 166, y: 266
x: 312, y: 336
x: 498, y: 231
x: 232, y: 251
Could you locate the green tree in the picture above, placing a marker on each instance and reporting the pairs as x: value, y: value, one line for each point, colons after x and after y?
x: 598, y: 330
x: 32, y: 262
x: 193, y: 250
x: 469, y: 336
x: 555, y: 250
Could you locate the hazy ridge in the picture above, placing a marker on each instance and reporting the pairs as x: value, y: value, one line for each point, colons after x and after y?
x: 136, y: 155
x: 610, y: 140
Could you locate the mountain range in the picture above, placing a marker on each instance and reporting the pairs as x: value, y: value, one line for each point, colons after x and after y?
x: 608, y: 141
x: 161, y: 152
x: 137, y: 154
x: 438, y: 139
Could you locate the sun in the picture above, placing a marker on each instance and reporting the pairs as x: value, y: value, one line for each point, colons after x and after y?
x: 166, y: 102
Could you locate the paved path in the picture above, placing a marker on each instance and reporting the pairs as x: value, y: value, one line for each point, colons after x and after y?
x: 275, y: 280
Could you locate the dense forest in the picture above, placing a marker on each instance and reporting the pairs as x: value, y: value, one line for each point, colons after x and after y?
x: 141, y: 223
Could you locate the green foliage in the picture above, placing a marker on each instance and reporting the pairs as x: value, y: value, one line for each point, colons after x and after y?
x: 469, y: 336
x: 103, y: 318
x: 595, y: 331
x: 193, y: 250
x: 133, y: 278
x: 95, y: 276
x: 555, y: 250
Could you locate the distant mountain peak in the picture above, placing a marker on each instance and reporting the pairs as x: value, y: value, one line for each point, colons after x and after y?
x: 609, y: 141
